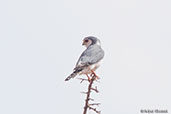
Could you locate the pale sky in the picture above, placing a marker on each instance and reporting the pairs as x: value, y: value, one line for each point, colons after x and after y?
x: 40, y: 42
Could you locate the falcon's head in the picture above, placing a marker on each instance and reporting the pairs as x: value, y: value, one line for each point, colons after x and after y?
x: 90, y: 40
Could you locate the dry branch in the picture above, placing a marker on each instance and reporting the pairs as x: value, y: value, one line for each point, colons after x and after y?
x: 94, y: 109
x: 87, y: 105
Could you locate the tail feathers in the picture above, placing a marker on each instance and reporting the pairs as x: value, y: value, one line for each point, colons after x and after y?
x: 76, y: 71
x: 71, y: 76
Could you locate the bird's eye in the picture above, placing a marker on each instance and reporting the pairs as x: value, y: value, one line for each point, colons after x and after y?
x: 86, y: 40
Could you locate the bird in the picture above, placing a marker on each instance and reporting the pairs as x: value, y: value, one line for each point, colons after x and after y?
x: 90, y: 58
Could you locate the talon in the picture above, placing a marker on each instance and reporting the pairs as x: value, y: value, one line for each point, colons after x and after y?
x: 93, y: 73
x: 97, y: 77
x: 89, y: 79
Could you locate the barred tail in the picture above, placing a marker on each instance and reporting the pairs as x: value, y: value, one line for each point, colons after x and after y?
x: 71, y: 76
x: 77, y: 70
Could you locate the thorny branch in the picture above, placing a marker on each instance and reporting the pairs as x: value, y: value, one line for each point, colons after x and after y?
x: 95, y: 89
x: 94, y: 109
x: 97, y: 104
x: 90, y: 88
x: 82, y: 79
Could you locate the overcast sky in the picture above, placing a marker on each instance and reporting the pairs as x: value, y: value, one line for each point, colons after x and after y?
x: 40, y: 42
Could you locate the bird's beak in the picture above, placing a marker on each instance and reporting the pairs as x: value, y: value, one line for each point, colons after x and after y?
x: 83, y: 43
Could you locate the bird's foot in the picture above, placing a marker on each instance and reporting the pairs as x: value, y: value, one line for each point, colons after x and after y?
x: 94, y: 74
x: 97, y: 77
x: 89, y: 79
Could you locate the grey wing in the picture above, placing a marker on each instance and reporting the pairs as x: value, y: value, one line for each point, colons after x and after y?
x: 90, y: 56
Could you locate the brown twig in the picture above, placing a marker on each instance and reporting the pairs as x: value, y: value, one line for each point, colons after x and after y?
x: 87, y: 105
x: 91, y: 99
x: 95, y: 89
x: 82, y: 79
x: 94, y: 109
x: 97, y: 104
x: 84, y: 92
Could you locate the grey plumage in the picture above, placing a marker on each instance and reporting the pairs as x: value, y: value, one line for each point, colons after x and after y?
x: 92, y: 55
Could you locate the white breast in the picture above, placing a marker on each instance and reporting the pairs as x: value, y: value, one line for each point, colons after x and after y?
x: 90, y: 68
